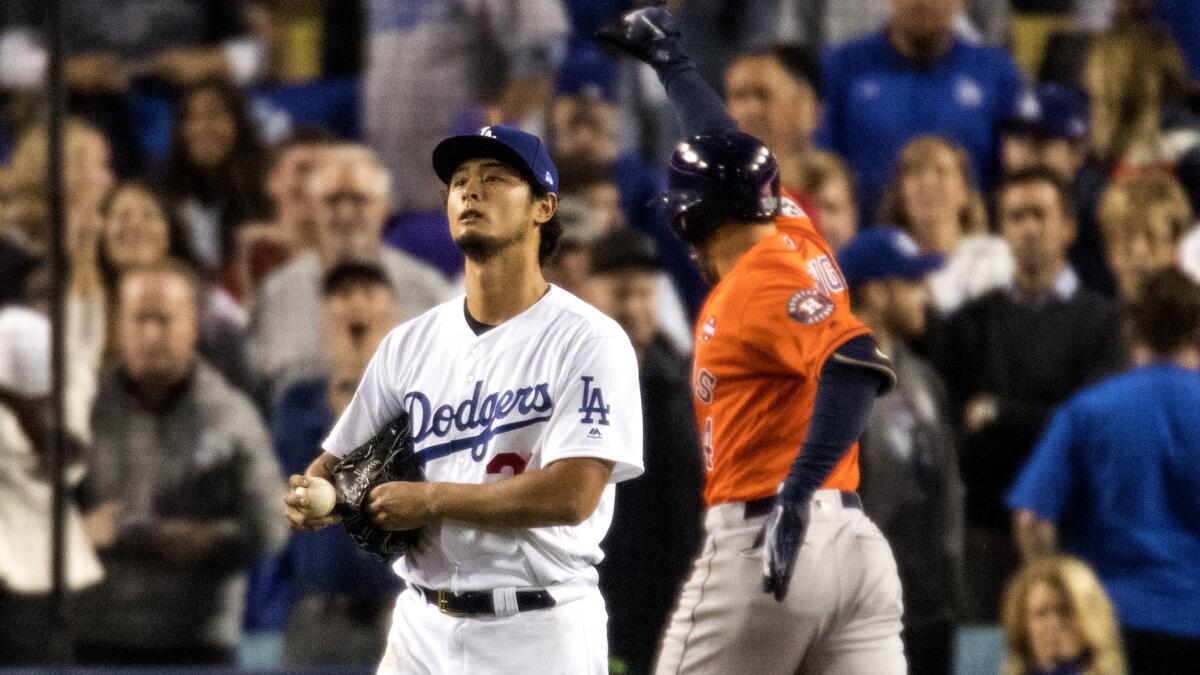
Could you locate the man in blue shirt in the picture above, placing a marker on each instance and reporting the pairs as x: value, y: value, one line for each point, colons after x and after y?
x: 914, y: 77
x: 1116, y: 481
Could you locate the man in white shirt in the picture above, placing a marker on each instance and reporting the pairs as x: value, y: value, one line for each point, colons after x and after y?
x: 525, y: 410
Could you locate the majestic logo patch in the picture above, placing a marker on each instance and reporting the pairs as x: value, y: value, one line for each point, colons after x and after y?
x: 709, y: 330
x: 809, y: 306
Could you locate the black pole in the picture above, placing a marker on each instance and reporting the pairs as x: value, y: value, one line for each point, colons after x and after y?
x: 60, y: 644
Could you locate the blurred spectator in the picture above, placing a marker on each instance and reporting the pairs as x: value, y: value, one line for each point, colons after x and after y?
x: 137, y: 232
x: 1050, y: 127
x: 915, y: 77
x: 87, y: 175
x: 431, y: 61
x: 1189, y: 254
x: 1134, y: 76
x: 87, y: 178
x: 716, y: 32
x: 974, y: 20
x: 1182, y: 18
x: 1010, y: 357
x: 261, y: 247
x: 588, y: 208
x: 349, y: 192
x: 425, y: 235
x: 910, y: 484
x: 183, y: 485
x: 657, y: 516
x: 1098, y: 15
x: 596, y: 187
x: 25, y: 487
x: 111, y: 44
x: 827, y: 179
x: 20, y: 213
x: 1142, y: 221
x: 567, y: 266
x: 1057, y: 620
x: 772, y: 95
x: 584, y: 122
x: 213, y: 177
x: 931, y: 197
x: 339, y: 590
x: 1115, y: 480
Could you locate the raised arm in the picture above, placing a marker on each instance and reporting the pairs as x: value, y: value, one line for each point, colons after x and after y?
x: 649, y: 35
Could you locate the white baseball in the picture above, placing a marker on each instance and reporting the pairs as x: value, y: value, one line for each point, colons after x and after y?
x: 321, y: 497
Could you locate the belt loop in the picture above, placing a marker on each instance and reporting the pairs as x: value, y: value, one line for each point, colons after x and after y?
x: 504, y: 601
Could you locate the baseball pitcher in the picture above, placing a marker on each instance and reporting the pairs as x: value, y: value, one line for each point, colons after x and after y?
x: 524, y: 410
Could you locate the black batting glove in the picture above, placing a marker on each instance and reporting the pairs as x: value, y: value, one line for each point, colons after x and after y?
x: 784, y: 533
x: 648, y: 34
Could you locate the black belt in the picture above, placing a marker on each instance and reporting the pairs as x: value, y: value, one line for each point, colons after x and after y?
x: 761, y: 507
x: 476, y: 603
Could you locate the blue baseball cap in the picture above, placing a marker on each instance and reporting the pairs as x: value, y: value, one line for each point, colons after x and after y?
x: 590, y: 73
x: 520, y: 150
x: 1051, y: 111
x: 885, y: 253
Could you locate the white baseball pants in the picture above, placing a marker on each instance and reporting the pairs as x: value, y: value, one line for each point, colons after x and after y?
x: 841, y: 615
x: 568, y: 639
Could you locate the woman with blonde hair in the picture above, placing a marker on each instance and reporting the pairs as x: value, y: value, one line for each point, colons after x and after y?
x: 1058, y: 620
x: 87, y: 173
x: 932, y: 197
x: 1142, y: 221
x: 1132, y: 70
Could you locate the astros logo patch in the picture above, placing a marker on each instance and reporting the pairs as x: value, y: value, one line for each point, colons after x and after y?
x: 809, y: 306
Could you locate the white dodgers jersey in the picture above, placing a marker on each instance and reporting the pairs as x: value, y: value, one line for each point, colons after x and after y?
x: 558, y: 380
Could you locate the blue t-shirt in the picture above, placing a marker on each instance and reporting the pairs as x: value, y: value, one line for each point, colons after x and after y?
x: 876, y: 100
x: 1118, y: 472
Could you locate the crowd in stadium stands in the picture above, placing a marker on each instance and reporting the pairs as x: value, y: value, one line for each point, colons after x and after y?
x: 1012, y: 188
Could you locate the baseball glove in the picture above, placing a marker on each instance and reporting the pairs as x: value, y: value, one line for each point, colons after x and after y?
x: 387, y: 457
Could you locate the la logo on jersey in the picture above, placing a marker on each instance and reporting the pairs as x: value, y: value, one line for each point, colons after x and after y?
x: 593, y: 404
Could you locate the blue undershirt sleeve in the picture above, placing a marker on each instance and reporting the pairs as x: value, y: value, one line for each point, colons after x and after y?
x: 697, y: 106
x: 849, y: 382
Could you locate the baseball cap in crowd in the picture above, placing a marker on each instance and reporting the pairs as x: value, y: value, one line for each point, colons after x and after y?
x: 589, y: 73
x: 1050, y: 111
x: 622, y: 250
x: 877, y: 253
x: 523, y: 151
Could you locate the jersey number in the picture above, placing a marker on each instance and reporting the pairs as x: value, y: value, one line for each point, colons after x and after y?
x: 507, y: 463
x: 826, y: 276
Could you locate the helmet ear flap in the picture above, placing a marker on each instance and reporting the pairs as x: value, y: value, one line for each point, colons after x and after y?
x: 696, y: 224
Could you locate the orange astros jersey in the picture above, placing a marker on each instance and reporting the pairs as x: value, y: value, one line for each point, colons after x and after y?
x: 761, y: 339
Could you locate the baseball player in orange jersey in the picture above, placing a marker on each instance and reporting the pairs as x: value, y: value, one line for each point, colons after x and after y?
x: 783, y: 381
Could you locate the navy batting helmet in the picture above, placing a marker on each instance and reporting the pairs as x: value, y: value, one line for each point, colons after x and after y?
x: 717, y: 177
